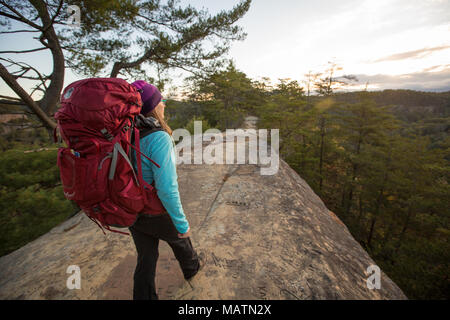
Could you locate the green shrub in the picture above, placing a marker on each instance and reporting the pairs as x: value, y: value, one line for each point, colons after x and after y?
x: 190, y: 124
x: 31, y: 197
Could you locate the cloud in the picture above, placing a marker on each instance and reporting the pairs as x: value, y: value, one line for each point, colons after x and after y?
x: 422, y: 81
x: 435, y: 68
x: 415, y: 54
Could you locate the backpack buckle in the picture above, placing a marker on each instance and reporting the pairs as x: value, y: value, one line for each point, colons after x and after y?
x: 106, y: 134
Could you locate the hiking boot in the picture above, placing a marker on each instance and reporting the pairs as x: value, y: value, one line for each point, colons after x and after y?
x: 201, y: 264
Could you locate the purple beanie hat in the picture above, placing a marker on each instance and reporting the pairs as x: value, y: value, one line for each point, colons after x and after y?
x: 150, y: 95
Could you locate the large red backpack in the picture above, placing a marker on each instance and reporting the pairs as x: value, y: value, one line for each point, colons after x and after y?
x: 97, y: 121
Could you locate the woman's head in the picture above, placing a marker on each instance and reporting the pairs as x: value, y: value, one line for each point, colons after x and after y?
x: 153, y: 105
x: 150, y: 95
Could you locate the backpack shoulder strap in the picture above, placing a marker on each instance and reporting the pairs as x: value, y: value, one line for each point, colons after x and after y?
x: 146, y: 131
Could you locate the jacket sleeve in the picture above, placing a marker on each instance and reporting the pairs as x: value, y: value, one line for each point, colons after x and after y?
x: 161, y: 149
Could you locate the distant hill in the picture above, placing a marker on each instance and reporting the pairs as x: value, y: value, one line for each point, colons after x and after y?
x: 408, y: 105
x: 422, y: 113
x: 6, y: 108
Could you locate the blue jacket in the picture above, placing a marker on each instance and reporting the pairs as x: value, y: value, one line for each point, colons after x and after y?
x: 159, y: 147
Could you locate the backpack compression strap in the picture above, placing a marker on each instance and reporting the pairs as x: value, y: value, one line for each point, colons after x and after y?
x: 139, y: 161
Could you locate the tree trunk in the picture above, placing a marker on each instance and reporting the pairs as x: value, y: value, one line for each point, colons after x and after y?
x: 116, y: 69
x: 361, y: 214
x: 303, y: 154
x: 50, y: 101
x: 349, y: 201
x: 322, y: 138
x: 12, y: 83
x: 343, y: 197
x: 387, y: 235
x: 371, y: 231
x: 44, y: 108
x: 377, y: 209
x: 405, y: 227
x: 355, y: 172
x: 119, y: 65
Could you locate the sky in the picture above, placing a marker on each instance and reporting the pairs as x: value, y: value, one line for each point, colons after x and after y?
x: 389, y: 43
x: 386, y: 44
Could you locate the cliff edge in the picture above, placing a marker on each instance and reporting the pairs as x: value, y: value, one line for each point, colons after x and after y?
x: 264, y: 237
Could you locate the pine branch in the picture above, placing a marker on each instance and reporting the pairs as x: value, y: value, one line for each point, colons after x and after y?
x: 18, y: 17
x: 18, y: 31
x: 24, y: 51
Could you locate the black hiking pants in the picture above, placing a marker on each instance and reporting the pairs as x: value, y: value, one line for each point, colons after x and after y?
x: 146, y: 232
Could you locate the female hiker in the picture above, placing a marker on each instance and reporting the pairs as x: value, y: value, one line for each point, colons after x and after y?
x: 171, y: 226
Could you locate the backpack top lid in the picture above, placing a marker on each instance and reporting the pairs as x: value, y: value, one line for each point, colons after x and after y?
x: 99, y: 103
